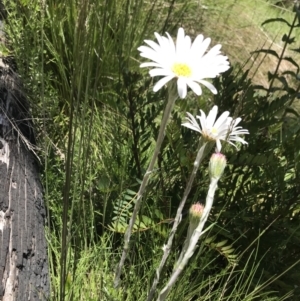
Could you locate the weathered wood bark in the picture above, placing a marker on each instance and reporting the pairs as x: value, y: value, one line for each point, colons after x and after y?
x: 23, y: 249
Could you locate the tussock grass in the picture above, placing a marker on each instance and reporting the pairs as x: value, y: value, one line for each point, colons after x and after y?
x: 97, y: 120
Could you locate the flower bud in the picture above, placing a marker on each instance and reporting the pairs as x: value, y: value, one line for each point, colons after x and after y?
x: 196, y: 211
x: 217, y: 165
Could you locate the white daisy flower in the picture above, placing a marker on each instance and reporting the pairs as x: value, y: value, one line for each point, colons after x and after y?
x: 189, y: 62
x: 234, y: 131
x: 224, y: 128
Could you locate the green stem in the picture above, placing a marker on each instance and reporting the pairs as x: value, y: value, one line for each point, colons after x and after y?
x: 282, y: 53
x: 167, y: 248
x: 166, y: 116
x: 193, y: 241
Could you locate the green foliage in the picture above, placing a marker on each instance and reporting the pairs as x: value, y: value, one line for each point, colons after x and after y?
x: 122, y: 212
x: 97, y: 119
x: 223, y: 248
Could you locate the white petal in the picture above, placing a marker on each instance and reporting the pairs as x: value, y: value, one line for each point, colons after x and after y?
x: 195, y: 87
x: 181, y: 87
x: 236, y: 122
x: 187, y: 44
x: 211, y: 117
x: 240, y: 132
x: 143, y: 48
x: 179, y: 41
x: 222, y: 120
x: 150, y: 64
x: 192, y: 123
x: 219, y: 145
x: 153, y: 45
x: 197, y: 43
x: 161, y: 83
x: 239, y: 139
x: 202, y: 119
x: 159, y: 39
x: 171, y: 42
x: 160, y: 72
x: 192, y: 127
x: 153, y: 56
x: 232, y: 143
x: 192, y: 120
x: 203, y: 47
x: 229, y: 121
x: 213, y: 52
x: 209, y: 86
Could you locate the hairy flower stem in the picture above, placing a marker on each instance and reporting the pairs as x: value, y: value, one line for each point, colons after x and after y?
x: 203, y: 150
x: 166, y: 116
x: 193, y: 241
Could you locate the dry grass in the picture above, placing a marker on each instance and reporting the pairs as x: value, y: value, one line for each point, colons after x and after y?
x: 237, y: 26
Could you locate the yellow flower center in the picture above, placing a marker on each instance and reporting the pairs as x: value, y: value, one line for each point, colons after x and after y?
x: 214, y: 131
x: 211, y: 134
x: 182, y: 70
